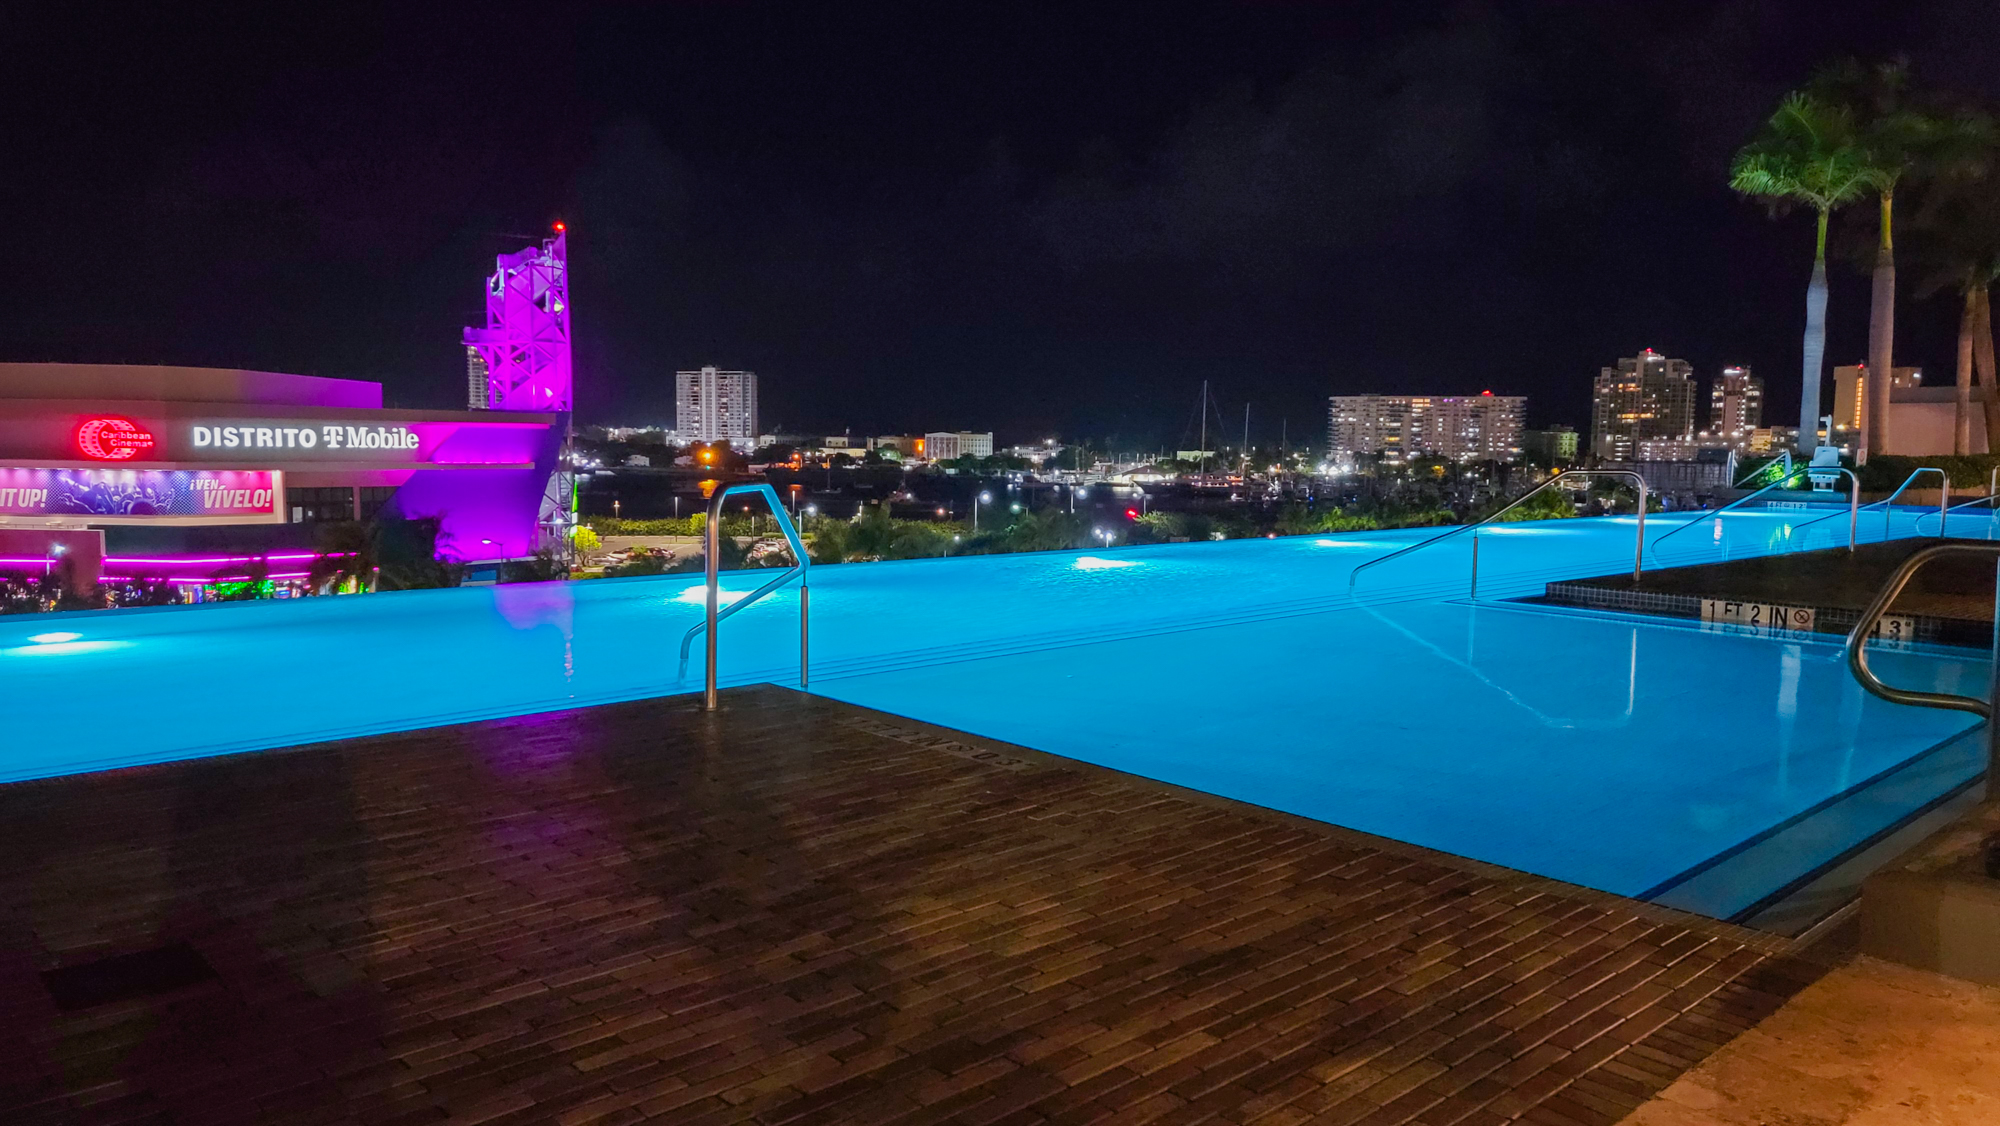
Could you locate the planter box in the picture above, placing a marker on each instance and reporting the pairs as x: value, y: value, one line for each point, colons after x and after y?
x: 1935, y: 907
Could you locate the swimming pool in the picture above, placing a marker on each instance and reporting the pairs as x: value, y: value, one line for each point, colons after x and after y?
x: 1610, y: 751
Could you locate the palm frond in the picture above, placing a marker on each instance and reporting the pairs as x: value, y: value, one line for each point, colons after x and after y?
x: 1807, y: 152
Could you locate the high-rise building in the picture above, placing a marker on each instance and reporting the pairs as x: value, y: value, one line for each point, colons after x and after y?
x: 1647, y: 396
x: 1484, y: 427
x: 1850, y: 392
x: 477, y: 391
x: 1735, y: 402
x: 716, y: 406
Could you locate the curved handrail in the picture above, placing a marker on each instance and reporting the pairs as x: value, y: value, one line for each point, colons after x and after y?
x: 1637, y: 560
x: 1797, y: 471
x: 1786, y: 456
x: 1853, y: 502
x: 1857, y: 639
x: 1889, y: 505
x: 1987, y: 499
x: 714, y: 617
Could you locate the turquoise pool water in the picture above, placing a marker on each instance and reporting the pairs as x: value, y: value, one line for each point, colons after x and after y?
x: 1606, y: 750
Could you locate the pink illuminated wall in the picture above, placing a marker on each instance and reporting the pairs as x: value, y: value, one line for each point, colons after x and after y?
x: 488, y: 513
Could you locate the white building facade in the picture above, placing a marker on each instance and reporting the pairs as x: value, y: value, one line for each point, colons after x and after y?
x: 944, y: 445
x: 716, y: 406
x: 1400, y: 427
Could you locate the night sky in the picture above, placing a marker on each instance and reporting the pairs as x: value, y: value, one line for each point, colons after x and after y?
x: 1020, y: 218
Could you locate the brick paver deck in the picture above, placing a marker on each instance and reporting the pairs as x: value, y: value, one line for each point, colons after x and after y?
x: 796, y: 912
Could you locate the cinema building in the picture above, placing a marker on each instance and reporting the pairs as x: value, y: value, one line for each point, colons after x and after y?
x: 170, y: 472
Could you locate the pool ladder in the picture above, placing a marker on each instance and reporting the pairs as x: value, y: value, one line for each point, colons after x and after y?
x: 714, y: 616
x: 1857, y: 653
x: 1793, y: 473
x: 1992, y: 495
x: 1638, y: 553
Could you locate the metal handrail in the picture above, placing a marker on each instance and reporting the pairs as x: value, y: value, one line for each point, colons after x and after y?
x: 1786, y: 455
x: 1854, y: 500
x: 1857, y: 654
x: 1989, y: 498
x: 1889, y: 505
x: 714, y: 617
x: 1638, y: 557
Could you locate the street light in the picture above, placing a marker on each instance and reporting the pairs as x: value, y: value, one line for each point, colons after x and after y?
x: 614, y: 509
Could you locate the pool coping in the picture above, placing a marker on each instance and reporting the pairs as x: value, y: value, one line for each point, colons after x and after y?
x: 1762, y: 940
x: 1590, y: 1025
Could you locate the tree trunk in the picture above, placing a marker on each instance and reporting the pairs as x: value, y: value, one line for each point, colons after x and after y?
x: 1961, y: 418
x: 1881, y: 340
x: 1815, y: 348
x: 1982, y: 365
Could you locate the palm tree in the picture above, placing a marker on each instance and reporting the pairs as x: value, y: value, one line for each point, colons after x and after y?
x: 1957, y: 236
x: 1806, y: 153
x: 1897, y: 137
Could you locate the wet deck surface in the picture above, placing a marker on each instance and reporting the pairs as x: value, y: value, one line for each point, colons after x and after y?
x: 800, y: 912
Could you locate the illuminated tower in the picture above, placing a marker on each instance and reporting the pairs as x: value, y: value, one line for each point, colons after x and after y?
x: 524, y: 350
x: 526, y: 339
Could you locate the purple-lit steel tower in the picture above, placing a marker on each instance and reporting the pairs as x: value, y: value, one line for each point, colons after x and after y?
x: 526, y: 339
x: 525, y: 346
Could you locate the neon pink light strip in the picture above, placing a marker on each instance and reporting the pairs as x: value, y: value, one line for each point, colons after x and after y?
x: 165, y: 560
x: 223, y: 579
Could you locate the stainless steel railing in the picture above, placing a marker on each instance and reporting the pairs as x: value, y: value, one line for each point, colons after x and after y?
x: 1889, y: 505
x: 1992, y: 494
x: 1797, y: 471
x: 1853, y: 502
x: 1785, y: 456
x: 713, y: 618
x: 1857, y: 654
x: 1638, y: 555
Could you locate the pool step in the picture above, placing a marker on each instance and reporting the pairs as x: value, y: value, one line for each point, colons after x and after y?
x: 1791, y: 875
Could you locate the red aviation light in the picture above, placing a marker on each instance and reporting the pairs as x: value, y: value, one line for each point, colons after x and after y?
x: 112, y: 438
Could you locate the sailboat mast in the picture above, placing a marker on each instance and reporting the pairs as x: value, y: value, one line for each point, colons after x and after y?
x: 1204, y: 426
